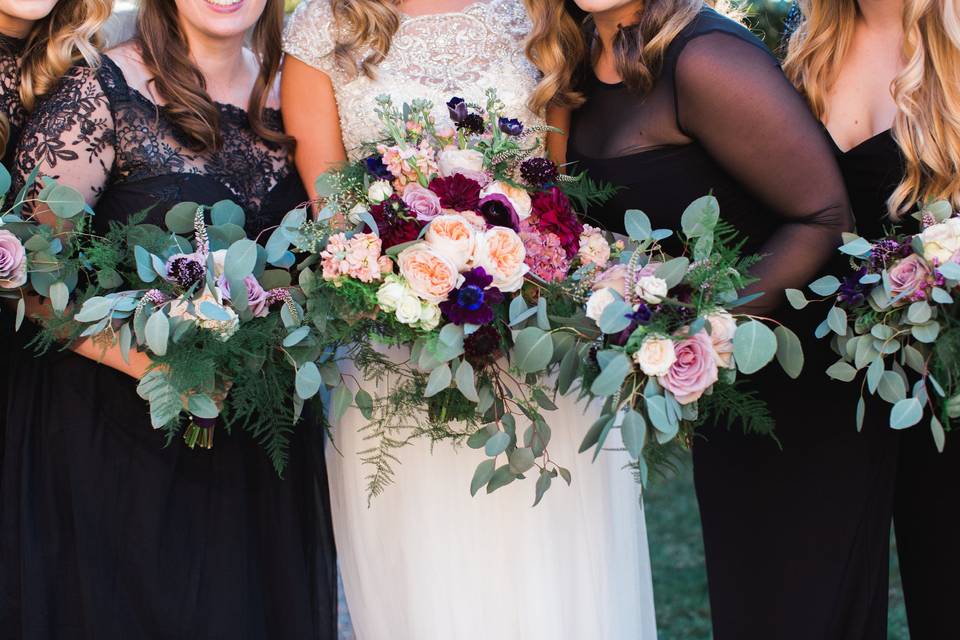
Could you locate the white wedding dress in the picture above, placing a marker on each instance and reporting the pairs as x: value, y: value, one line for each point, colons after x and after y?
x: 425, y: 561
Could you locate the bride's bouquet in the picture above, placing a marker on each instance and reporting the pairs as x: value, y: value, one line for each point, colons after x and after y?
x: 893, y: 318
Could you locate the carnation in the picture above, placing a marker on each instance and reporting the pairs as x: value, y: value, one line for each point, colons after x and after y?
x: 552, y: 212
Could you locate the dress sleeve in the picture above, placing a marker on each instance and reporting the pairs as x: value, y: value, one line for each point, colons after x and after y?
x: 310, y: 36
x: 733, y: 98
x: 71, y: 136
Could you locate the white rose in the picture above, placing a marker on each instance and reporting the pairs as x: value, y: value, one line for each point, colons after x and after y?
x: 379, y: 191
x: 501, y: 253
x: 391, y: 292
x: 941, y: 242
x: 651, y: 289
x: 450, y: 161
x: 722, y: 328
x: 597, y: 302
x: 409, y: 309
x: 354, y: 214
x: 429, y: 316
x: 656, y: 355
x: 518, y: 197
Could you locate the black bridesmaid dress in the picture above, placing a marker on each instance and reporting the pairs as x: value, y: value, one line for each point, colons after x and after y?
x: 795, y: 537
x: 107, y: 533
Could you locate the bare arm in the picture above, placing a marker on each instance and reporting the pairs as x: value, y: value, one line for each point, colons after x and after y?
x: 557, y: 142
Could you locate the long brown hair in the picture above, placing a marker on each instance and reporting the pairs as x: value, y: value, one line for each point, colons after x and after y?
x: 364, y: 24
x: 177, y: 80
x: 558, y: 45
x: 926, y: 91
x: 67, y: 35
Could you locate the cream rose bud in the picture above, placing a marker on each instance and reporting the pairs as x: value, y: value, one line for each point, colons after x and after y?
x: 723, y: 326
x: 656, y: 355
x: 450, y: 161
x: 501, y: 253
x: 518, y: 197
x: 941, y: 242
x: 409, y: 309
x: 651, y: 289
x: 390, y: 293
x: 219, y: 257
x: 453, y: 236
x: 379, y: 191
x: 597, y: 302
x: 429, y: 316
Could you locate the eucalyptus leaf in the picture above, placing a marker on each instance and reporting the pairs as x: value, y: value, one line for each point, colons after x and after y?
x: 919, y: 312
x: 478, y: 439
x: 614, y: 318
x: 497, y: 444
x: 202, y: 406
x: 634, y: 431
x: 157, y: 332
x: 611, y: 377
x: 438, y: 380
x: 857, y: 247
x: 939, y: 436
x: 533, y: 349
x: 875, y: 374
x: 949, y: 270
x: 340, y: 401
x: 842, y: 371
x: 501, y: 478
x: 466, y: 382
x: 180, y: 217
x: 700, y: 217
x: 227, y: 212
x: 59, y: 296
x: 144, y: 264
x: 861, y: 411
x: 906, y: 413
x: 240, y: 260
x: 837, y: 320
x: 593, y: 433
x: 926, y: 332
x: 637, y: 225
x: 796, y: 298
x: 673, y: 271
x: 482, y: 475
x: 308, y: 381
x: 825, y: 286
x: 754, y: 346
x: 789, y: 351
x: 21, y: 313
x: 543, y: 485
x: 521, y: 460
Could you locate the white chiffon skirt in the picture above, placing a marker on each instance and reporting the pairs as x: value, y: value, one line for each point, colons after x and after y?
x: 426, y: 561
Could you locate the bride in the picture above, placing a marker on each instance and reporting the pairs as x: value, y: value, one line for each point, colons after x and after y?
x: 424, y: 560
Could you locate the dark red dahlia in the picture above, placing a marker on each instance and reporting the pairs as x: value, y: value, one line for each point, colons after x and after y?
x: 482, y: 346
x: 472, y: 302
x: 396, y: 226
x: 553, y: 213
x: 457, y: 192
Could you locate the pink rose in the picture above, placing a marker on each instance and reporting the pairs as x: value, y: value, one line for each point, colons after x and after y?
x: 429, y: 274
x: 13, y: 261
x: 694, y: 371
x: 421, y: 201
x: 909, y: 279
x: 501, y: 253
x: 723, y: 326
x: 454, y: 237
x: 258, y: 300
x: 613, y: 278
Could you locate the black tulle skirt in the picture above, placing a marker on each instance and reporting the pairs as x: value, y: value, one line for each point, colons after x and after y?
x: 107, y: 533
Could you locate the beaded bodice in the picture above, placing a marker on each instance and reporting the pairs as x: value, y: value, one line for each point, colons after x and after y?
x: 432, y: 57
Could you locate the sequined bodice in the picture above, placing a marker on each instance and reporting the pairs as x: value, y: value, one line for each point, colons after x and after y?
x: 433, y: 57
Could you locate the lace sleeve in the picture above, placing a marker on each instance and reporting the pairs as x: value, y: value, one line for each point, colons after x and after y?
x: 310, y: 36
x: 71, y: 136
x: 733, y: 98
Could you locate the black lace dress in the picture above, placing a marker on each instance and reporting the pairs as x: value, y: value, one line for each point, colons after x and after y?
x: 791, y: 535
x: 107, y: 534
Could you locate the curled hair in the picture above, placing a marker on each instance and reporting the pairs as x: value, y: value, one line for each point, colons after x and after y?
x: 926, y: 91
x: 558, y: 46
x: 364, y: 25
x: 180, y: 84
x: 68, y: 35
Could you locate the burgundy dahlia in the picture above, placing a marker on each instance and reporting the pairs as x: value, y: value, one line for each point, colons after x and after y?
x: 553, y: 213
x: 482, y: 346
x: 395, y: 224
x: 457, y: 192
x: 539, y: 171
x: 472, y: 302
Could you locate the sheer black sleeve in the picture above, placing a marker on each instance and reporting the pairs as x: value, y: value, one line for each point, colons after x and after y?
x: 70, y: 136
x: 732, y: 97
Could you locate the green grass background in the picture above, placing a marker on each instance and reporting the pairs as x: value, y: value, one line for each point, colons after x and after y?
x: 679, y: 577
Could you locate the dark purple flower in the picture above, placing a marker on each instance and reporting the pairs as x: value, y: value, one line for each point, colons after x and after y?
x: 186, y: 270
x: 458, y: 109
x: 472, y: 302
x: 851, y: 289
x: 473, y: 123
x: 510, y: 126
x: 481, y: 346
x: 395, y: 224
x: 641, y: 315
x: 457, y: 192
x: 887, y: 251
x: 498, y: 211
x: 539, y: 171
x: 376, y: 168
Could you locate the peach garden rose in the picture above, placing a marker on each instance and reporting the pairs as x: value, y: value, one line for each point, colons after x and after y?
x: 429, y: 274
x: 501, y: 253
x: 453, y: 236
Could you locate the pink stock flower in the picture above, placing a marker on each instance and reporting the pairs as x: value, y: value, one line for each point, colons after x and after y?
x: 694, y: 370
x: 359, y: 257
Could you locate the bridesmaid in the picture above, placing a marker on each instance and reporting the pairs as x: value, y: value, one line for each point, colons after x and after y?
x: 884, y: 78
x: 672, y: 100
x: 106, y: 532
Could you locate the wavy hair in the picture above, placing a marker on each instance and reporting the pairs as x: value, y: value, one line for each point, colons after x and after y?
x: 68, y: 35
x: 926, y: 91
x: 177, y: 80
x: 558, y: 46
x: 364, y: 25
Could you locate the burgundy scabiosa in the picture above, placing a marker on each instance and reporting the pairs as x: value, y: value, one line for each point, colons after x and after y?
x: 539, y: 171
x: 482, y: 346
x: 394, y: 222
x: 553, y: 213
x: 457, y: 192
x: 472, y: 302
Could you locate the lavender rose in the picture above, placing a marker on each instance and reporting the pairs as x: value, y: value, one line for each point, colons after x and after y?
x: 694, y: 370
x: 258, y: 300
x: 13, y: 261
x: 422, y: 202
x: 909, y: 279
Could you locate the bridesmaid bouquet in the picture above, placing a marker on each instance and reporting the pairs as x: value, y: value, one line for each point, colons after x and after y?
x: 212, y: 312
x: 660, y: 339
x: 893, y: 317
x: 39, y: 257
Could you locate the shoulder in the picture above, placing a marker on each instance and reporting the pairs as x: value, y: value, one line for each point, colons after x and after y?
x: 508, y: 17
x: 310, y: 34
x: 711, y: 34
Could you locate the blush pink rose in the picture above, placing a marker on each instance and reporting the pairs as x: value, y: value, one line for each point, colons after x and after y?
x: 258, y: 300
x: 454, y: 237
x: 909, y: 279
x: 429, y: 274
x: 501, y: 252
x: 694, y: 370
x: 422, y: 202
x: 13, y: 261
x: 613, y: 278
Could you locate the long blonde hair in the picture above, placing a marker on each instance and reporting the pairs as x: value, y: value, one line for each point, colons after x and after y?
x: 364, y: 25
x: 68, y: 35
x: 926, y: 91
x: 558, y: 46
